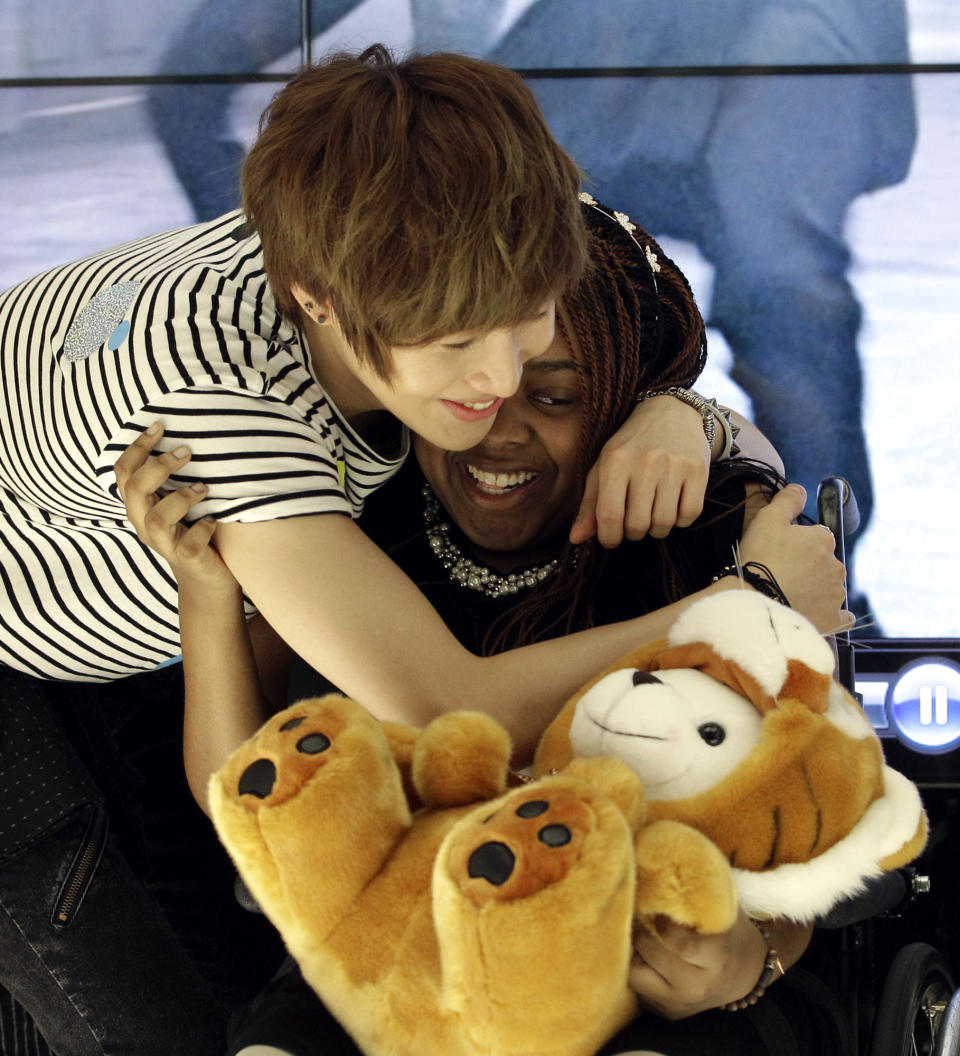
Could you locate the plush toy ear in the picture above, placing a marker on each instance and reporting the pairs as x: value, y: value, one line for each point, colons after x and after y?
x: 810, y: 687
x: 761, y: 649
x: 555, y: 751
x: 802, y: 682
x: 703, y: 657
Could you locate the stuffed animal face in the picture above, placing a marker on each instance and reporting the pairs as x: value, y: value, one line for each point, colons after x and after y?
x: 680, y: 730
x: 737, y: 729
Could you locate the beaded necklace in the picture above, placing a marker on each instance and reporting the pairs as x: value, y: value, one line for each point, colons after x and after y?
x: 466, y: 572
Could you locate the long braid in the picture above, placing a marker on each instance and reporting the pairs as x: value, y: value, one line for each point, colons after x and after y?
x: 632, y: 329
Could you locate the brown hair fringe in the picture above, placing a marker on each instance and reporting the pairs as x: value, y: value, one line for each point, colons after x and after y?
x: 418, y: 198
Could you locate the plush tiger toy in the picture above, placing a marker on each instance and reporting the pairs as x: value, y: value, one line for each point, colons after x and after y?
x: 738, y: 730
x: 436, y: 912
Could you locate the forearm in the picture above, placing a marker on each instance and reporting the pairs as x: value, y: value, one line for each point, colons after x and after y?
x: 360, y: 622
x: 782, y: 944
x: 223, y: 703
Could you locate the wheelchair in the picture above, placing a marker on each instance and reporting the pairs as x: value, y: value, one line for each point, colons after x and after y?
x: 883, y: 949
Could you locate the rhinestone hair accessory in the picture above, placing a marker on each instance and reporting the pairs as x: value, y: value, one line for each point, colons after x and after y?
x: 630, y: 227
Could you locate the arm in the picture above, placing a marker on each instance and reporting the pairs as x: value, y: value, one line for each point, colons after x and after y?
x: 681, y: 973
x: 225, y: 661
x: 652, y: 473
x: 341, y: 604
x: 352, y: 614
x: 223, y: 700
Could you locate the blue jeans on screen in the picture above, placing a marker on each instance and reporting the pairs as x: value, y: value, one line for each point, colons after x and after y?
x: 759, y: 172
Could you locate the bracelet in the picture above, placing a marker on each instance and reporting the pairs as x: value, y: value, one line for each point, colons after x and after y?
x: 771, y: 971
x: 730, y: 432
x: 705, y: 408
x: 712, y: 414
x: 758, y: 576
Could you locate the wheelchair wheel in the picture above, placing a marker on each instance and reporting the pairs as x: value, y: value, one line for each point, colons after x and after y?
x: 948, y: 1037
x: 914, y: 997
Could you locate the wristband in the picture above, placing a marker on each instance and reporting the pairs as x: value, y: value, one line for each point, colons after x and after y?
x: 758, y: 576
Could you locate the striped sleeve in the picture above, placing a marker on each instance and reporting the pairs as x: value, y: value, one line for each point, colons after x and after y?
x: 259, y: 459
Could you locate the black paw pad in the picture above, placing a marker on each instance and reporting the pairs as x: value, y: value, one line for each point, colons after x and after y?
x: 258, y: 779
x: 533, y: 808
x: 313, y: 743
x: 555, y: 835
x: 292, y: 724
x: 492, y: 862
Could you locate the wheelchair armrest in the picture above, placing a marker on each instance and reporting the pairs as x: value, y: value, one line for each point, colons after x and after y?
x: 887, y: 894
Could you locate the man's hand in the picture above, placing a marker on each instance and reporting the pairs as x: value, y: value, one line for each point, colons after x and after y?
x: 801, y: 558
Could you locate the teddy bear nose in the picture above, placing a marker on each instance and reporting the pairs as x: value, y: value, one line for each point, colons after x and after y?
x: 258, y: 779
x: 644, y: 678
x: 492, y: 862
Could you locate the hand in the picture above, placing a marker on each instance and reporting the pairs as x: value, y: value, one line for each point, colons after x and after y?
x: 651, y: 476
x: 678, y: 972
x: 159, y: 520
x: 801, y: 558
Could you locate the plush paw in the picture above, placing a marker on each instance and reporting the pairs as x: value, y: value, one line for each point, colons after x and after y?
x: 530, y: 841
x: 330, y: 733
x: 460, y: 758
x: 684, y: 876
x: 310, y: 808
x: 533, y: 900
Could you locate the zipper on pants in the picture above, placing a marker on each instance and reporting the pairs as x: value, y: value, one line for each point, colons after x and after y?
x: 81, y: 871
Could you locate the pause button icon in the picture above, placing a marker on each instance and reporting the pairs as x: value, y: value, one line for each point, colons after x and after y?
x: 934, y: 706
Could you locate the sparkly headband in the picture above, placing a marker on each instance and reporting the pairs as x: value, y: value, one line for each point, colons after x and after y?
x: 649, y: 255
x: 630, y: 227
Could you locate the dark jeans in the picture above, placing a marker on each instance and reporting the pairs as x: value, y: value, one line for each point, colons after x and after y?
x: 118, y: 930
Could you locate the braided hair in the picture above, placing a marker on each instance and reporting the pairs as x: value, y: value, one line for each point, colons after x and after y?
x: 634, y: 326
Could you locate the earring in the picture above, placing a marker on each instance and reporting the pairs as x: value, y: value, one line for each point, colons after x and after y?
x: 308, y: 308
x: 321, y: 319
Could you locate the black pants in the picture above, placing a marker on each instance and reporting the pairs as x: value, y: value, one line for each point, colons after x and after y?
x: 798, y: 1017
x: 119, y: 932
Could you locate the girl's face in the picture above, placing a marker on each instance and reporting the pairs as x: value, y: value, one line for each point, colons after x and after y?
x: 449, y: 391
x: 513, y: 493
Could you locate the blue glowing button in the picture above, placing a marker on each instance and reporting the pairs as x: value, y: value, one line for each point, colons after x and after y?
x: 924, y: 705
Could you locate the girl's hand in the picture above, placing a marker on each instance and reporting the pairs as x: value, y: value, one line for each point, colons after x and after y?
x: 651, y: 476
x: 801, y: 558
x: 678, y: 972
x: 158, y: 519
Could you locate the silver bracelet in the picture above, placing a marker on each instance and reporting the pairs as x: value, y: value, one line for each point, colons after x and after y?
x: 710, y: 412
x: 730, y: 432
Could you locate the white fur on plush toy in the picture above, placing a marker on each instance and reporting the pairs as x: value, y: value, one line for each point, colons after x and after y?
x: 684, y: 732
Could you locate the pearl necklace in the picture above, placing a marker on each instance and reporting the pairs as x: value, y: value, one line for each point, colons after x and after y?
x: 466, y: 572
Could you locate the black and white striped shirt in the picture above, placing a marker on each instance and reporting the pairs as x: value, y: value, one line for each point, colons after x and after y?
x: 180, y: 327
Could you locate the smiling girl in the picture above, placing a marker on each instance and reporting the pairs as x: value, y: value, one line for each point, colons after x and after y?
x: 484, y: 533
